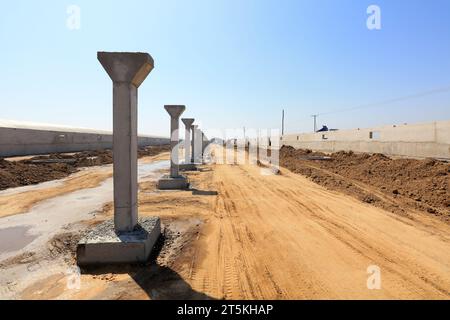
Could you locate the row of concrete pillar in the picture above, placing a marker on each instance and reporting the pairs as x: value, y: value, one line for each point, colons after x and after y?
x: 128, y: 71
x: 193, y: 149
x: 127, y: 238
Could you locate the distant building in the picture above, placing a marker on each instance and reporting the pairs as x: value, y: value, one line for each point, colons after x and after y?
x: 325, y: 129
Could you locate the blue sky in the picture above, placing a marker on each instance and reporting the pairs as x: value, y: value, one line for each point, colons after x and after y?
x: 233, y: 63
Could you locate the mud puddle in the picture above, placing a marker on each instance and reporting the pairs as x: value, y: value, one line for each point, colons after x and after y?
x: 50, y: 216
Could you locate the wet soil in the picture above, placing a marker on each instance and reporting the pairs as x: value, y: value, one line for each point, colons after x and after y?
x: 57, y: 166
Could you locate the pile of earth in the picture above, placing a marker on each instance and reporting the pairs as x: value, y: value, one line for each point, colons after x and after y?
x: 56, y: 166
x: 393, y: 184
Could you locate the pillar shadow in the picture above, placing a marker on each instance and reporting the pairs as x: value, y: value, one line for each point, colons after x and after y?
x: 158, y: 282
x: 190, y: 170
x: 163, y: 283
x: 197, y: 192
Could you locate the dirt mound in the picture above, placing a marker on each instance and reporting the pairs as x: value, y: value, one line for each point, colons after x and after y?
x: 15, y: 174
x: 57, y: 166
x: 394, y: 184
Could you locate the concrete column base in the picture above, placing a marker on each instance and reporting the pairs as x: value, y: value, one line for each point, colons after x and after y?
x: 102, y: 245
x: 169, y: 183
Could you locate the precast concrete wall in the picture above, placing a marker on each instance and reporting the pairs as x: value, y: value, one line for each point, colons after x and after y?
x: 19, y: 139
x: 424, y: 140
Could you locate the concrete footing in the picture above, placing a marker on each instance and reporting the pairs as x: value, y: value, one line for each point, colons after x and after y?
x: 102, y: 245
x: 169, y: 183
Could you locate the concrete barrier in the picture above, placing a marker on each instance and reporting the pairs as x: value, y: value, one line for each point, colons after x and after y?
x: 424, y: 140
x: 21, y: 138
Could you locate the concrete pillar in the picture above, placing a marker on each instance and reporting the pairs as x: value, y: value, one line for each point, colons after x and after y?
x: 124, y: 239
x: 127, y: 71
x: 202, y: 137
x: 175, y: 113
x: 194, y: 130
x: 203, y: 143
x: 198, y: 146
x: 187, y: 139
x: 174, y: 181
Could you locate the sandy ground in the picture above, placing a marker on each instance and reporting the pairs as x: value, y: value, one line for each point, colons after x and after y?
x: 243, y: 234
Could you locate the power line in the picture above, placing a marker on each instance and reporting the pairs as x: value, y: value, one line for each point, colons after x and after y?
x: 393, y: 100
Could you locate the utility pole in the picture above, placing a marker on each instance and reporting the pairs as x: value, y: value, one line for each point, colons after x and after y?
x: 315, y: 121
x: 282, y: 123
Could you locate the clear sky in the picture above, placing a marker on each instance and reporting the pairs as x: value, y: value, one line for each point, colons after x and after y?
x: 233, y: 63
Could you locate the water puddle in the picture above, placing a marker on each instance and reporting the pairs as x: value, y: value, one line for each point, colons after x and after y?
x: 15, y: 238
x: 48, y: 217
x: 151, y: 171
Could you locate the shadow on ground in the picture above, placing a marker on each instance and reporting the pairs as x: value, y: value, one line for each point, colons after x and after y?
x: 197, y: 192
x: 162, y: 283
x: 157, y: 281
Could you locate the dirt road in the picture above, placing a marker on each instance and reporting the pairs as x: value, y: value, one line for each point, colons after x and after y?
x: 285, y: 237
x: 241, y: 234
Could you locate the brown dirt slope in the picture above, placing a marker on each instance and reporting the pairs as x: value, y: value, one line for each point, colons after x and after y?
x: 397, y: 185
x: 27, y: 172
